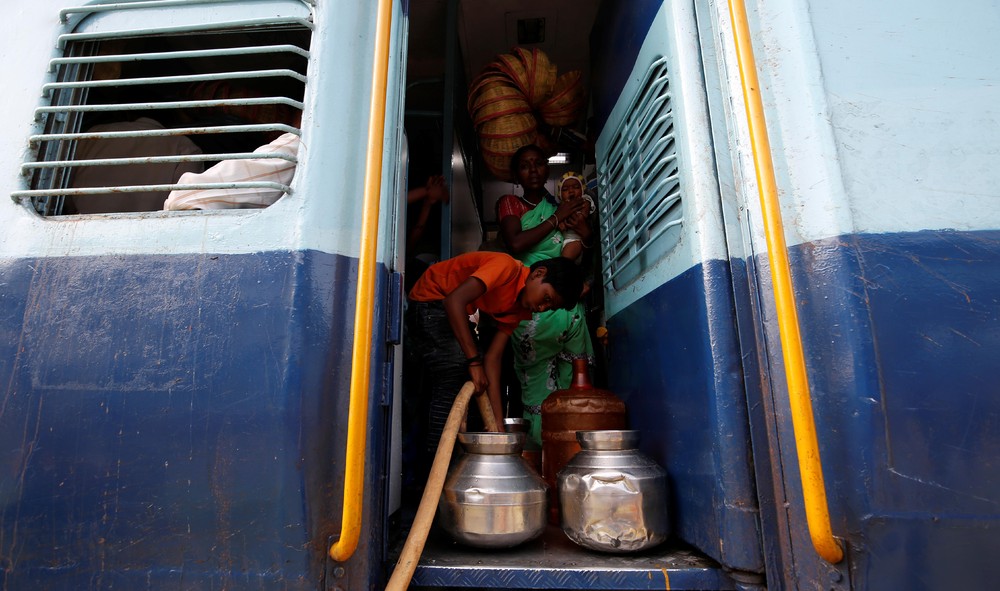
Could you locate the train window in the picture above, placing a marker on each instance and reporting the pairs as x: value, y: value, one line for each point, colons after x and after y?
x: 145, y: 92
x: 640, y: 207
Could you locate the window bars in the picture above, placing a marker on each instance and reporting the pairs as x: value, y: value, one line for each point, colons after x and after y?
x: 224, y: 78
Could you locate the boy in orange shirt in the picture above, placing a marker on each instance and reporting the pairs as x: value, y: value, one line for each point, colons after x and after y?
x: 493, y: 283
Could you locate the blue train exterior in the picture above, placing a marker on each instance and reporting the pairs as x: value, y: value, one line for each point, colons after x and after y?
x: 884, y: 158
x: 176, y: 385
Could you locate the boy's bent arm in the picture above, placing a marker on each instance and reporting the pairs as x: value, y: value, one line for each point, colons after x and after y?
x: 494, y: 361
x: 455, y: 304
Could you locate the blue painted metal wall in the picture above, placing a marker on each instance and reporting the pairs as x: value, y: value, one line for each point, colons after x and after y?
x: 177, y: 421
x: 900, y: 322
x: 619, y: 31
x: 901, y: 332
x: 674, y: 359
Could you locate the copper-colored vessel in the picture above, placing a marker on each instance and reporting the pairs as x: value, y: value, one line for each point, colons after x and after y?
x: 581, y: 407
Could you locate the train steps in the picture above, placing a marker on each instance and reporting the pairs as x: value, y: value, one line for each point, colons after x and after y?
x: 554, y: 562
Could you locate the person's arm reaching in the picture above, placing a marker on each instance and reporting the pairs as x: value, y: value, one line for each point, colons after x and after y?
x: 455, y: 305
x: 519, y: 240
x: 432, y: 193
x: 434, y: 190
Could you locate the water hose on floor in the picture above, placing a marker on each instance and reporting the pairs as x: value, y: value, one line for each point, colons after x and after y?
x: 415, y: 540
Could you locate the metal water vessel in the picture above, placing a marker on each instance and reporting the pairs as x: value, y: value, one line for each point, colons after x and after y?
x: 492, y: 498
x: 564, y: 412
x: 613, y: 497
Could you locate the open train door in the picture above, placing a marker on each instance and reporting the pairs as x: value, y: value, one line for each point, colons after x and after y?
x: 675, y: 354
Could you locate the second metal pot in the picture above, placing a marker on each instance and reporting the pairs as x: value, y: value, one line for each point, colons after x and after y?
x: 613, y: 497
x: 491, y: 498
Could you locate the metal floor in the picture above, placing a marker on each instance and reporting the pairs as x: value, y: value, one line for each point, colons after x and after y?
x: 554, y: 562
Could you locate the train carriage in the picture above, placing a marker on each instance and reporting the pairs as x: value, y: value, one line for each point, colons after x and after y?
x: 799, y: 256
x: 175, y: 407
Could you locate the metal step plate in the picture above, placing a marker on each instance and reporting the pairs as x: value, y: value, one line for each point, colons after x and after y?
x: 554, y: 562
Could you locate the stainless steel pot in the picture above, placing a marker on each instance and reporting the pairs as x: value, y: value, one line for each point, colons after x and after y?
x: 613, y: 497
x: 515, y: 425
x: 491, y: 498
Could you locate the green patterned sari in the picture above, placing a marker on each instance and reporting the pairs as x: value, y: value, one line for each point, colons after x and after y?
x: 545, y: 346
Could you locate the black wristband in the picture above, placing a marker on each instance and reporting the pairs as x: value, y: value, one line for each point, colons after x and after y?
x: 477, y: 359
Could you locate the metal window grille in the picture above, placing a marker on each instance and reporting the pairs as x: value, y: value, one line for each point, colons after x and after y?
x: 640, y: 190
x: 225, y: 82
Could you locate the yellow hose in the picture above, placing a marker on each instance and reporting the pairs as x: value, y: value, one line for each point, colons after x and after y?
x: 414, y: 545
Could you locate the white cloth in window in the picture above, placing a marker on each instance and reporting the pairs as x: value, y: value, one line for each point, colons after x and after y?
x: 274, y: 170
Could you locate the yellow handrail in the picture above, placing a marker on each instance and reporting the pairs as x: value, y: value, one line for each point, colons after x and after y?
x: 810, y: 467
x: 357, y: 420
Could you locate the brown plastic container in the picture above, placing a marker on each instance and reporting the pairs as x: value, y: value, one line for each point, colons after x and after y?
x: 581, y: 407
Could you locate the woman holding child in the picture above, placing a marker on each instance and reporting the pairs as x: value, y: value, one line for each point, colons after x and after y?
x: 535, y: 226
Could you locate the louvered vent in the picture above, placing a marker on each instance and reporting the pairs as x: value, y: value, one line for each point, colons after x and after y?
x: 640, y: 191
x: 211, y: 80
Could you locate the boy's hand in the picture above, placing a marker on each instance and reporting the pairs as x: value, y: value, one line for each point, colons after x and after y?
x: 479, y: 379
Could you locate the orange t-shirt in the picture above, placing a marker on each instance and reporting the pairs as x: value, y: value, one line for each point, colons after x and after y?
x: 503, y: 275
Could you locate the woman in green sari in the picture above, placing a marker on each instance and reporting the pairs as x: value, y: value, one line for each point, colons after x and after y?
x: 545, y: 346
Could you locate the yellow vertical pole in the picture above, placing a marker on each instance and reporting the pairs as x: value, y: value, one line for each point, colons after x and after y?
x: 803, y: 424
x: 357, y: 421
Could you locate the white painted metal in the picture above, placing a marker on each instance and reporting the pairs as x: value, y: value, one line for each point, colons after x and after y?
x: 882, y: 117
x: 324, y: 210
x: 674, y: 37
